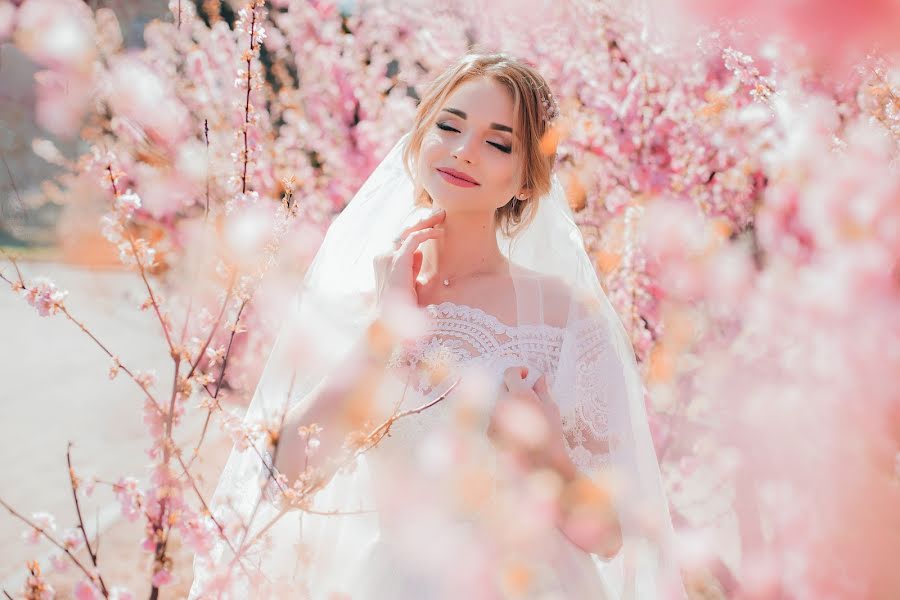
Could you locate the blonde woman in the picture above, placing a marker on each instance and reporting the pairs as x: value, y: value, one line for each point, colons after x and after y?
x: 452, y: 301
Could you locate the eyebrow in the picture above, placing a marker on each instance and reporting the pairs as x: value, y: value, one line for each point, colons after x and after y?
x: 462, y: 115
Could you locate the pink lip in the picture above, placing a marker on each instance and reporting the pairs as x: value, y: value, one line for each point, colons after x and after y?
x: 457, y: 178
x: 459, y: 174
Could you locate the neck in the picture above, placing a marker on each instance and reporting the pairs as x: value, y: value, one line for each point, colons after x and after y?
x: 469, y: 245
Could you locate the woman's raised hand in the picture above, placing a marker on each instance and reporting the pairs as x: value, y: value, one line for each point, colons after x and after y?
x: 526, y: 420
x: 396, y: 271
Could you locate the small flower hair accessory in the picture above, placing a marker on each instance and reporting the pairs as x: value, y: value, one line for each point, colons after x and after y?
x: 551, y: 106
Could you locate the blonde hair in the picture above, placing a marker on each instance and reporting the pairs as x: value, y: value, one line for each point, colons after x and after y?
x: 535, y: 109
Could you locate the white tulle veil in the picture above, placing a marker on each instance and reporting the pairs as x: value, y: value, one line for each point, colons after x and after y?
x: 334, y: 304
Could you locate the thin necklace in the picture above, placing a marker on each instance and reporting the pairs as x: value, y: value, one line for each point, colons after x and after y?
x: 446, y: 281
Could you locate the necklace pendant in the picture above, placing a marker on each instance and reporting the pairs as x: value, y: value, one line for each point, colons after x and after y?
x: 446, y: 283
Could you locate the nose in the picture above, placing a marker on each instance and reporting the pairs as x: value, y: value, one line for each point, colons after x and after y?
x: 465, y: 149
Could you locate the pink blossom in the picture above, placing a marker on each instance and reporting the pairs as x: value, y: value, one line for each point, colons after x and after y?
x: 47, y: 150
x: 142, y: 95
x: 121, y: 593
x: 60, y: 562
x: 73, y: 539
x: 90, y: 484
x: 130, y: 497
x: 242, y: 434
x: 56, y: 33
x: 127, y: 203
x: 85, y: 590
x: 831, y: 29
x: 111, y: 228
x: 62, y: 100
x: 149, y: 543
x: 43, y: 520
x: 36, y: 587
x: 165, y: 192
x: 161, y: 577
x: 44, y: 296
x: 132, y: 252
x: 114, y: 368
x: 199, y: 534
x: 146, y: 379
x: 218, y: 584
x: 109, y: 31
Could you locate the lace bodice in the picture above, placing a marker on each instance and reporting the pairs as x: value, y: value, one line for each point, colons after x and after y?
x: 461, y: 336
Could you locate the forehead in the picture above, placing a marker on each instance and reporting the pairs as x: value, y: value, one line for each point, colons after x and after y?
x: 483, y: 99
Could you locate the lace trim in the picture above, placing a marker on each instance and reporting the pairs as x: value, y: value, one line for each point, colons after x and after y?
x: 453, y: 310
x: 465, y: 335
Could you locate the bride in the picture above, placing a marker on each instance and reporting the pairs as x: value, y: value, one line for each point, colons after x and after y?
x: 453, y: 409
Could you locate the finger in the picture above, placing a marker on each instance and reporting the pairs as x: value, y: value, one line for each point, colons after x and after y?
x: 429, y: 221
x: 514, y: 379
x: 542, y: 391
x: 417, y: 263
x: 415, y: 239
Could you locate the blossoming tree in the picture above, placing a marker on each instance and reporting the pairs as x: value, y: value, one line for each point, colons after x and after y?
x: 741, y: 200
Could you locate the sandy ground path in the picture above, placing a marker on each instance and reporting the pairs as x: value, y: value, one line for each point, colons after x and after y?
x: 55, y: 389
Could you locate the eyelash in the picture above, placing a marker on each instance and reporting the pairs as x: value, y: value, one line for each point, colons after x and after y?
x: 501, y: 148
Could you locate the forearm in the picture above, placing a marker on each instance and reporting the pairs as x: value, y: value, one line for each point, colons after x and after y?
x: 586, y: 515
x: 339, y: 404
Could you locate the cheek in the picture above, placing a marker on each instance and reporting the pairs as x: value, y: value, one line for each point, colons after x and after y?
x: 431, y: 145
x: 503, y: 175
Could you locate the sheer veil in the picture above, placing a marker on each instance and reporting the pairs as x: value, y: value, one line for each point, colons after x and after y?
x: 597, y: 380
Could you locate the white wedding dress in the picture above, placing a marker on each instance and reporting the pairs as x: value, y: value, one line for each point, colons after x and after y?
x: 425, y: 546
x: 407, y: 529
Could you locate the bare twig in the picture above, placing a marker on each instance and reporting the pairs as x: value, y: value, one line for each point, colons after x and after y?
x: 246, y: 156
x: 206, y: 137
x: 215, y: 395
x: 87, y: 542
x: 12, y: 181
x: 187, y: 318
x: 214, y: 328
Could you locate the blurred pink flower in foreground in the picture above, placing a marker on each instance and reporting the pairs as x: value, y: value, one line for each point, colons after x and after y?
x: 56, y: 33
x: 162, y: 577
x: 85, y: 590
x: 121, y: 593
x: 7, y: 20
x: 833, y: 30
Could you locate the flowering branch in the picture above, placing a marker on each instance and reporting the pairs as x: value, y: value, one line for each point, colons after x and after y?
x: 360, y: 443
x: 257, y: 35
x: 136, y: 254
x: 48, y: 300
x: 43, y: 532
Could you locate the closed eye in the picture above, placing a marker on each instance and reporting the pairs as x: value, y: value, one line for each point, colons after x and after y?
x: 500, y: 147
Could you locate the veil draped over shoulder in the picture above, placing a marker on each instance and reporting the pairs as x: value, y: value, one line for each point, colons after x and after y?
x: 596, y: 380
